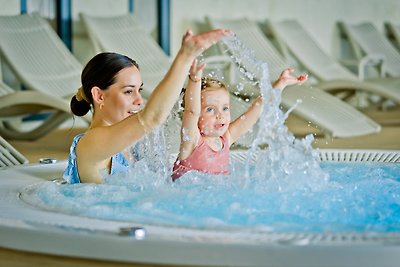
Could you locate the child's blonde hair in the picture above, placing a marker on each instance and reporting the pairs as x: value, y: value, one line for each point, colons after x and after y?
x: 206, y: 82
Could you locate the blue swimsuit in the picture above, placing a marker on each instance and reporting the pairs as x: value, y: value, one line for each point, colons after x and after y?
x: 118, y: 163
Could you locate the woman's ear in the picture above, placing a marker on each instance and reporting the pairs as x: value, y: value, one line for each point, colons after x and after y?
x: 97, y: 94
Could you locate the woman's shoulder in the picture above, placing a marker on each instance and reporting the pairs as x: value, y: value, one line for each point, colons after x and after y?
x: 76, y: 139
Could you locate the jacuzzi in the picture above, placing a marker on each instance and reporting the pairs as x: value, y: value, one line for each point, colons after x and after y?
x: 24, y: 227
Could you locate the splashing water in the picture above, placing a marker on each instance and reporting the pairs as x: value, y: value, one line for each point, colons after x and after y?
x: 156, y: 160
x: 275, y: 189
x: 286, y: 157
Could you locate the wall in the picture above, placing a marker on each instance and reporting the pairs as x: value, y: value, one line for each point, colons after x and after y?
x: 9, y: 7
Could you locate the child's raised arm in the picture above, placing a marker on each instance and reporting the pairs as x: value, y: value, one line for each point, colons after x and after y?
x: 192, y: 108
x: 244, y: 122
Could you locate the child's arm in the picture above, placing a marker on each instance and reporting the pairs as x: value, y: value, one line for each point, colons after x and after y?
x: 244, y: 122
x: 192, y: 99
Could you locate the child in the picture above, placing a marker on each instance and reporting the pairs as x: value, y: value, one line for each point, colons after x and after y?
x: 207, y: 132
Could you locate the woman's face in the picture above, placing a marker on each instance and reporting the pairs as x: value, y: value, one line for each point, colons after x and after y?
x: 123, y: 98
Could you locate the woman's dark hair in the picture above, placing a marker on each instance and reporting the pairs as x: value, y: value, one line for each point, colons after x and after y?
x: 100, y: 71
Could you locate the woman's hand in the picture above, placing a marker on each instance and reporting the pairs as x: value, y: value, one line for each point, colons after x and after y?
x: 286, y: 79
x: 194, y: 45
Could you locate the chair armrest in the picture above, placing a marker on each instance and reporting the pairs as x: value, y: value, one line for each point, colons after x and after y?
x: 371, y: 60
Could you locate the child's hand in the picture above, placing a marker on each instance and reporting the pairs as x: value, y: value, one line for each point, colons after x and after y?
x: 196, y: 71
x: 286, y: 79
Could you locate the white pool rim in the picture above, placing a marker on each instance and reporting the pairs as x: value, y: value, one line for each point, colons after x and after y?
x: 27, y: 228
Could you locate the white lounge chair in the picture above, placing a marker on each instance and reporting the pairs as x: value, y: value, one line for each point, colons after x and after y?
x: 40, y: 60
x: 9, y: 156
x: 124, y: 34
x: 331, y: 75
x: 14, y: 105
x: 393, y: 33
x: 367, y: 40
x: 332, y: 115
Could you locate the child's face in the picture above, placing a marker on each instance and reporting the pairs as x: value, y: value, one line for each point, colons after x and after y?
x: 215, y: 113
x: 123, y: 98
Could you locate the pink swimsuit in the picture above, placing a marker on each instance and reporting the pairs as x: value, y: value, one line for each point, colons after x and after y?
x: 204, y: 159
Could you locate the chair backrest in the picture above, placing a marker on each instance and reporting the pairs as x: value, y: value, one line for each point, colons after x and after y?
x: 308, y: 52
x: 9, y: 156
x: 37, y: 55
x: 251, y: 35
x: 124, y: 35
x: 371, y: 41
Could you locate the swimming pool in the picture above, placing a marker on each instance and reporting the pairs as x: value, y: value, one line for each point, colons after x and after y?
x: 29, y: 228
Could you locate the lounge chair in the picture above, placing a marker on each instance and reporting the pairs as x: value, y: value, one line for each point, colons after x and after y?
x: 393, y: 33
x: 331, y: 75
x: 14, y: 105
x: 124, y: 34
x: 40, y: 61
x: 329, y: 113
x: 9, y: 156
x: 365, y: 39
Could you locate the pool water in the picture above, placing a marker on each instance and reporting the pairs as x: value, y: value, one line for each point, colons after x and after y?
x: 356, y: 197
